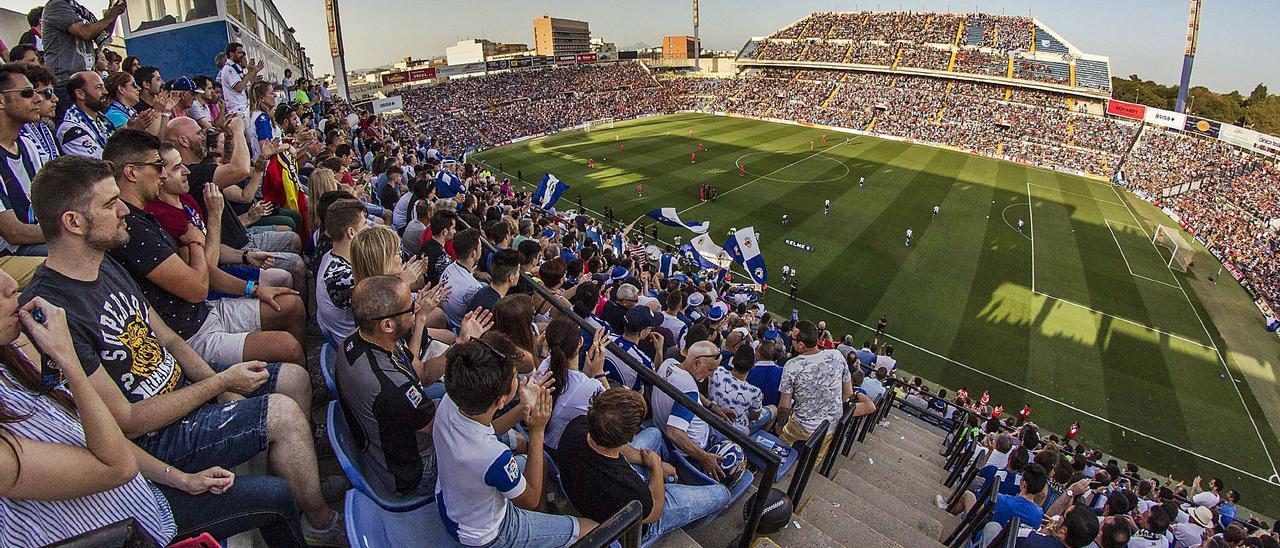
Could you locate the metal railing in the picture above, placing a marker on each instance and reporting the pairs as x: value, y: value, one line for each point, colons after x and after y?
x: 623, y: 526
x: 806, y: 462
x: 771, y: 460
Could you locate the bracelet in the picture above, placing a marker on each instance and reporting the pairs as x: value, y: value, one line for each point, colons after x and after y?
x: 244, y: 257
x: 248, y: 288
x: 600, y: 376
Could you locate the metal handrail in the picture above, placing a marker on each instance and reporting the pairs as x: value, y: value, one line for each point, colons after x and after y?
x: 623, y: 525
x: 806, y: 462
x: 771, y: 460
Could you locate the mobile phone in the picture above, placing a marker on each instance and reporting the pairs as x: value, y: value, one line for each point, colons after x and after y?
x: 1096, y: 484
x: 50, y: 375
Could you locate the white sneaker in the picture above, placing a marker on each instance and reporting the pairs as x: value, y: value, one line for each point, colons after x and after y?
x: 937, y: 501
x: 334, y: 534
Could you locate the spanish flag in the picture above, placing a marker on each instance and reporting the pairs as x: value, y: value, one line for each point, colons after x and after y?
x: 280, y: 186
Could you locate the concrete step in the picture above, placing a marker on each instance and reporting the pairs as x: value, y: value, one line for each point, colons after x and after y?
x: 918, y: 502
x: 925, y: 428
x: 677, y: 539
x: 921, y: 464
x: 877, y: 515
x: 837, y: 524
x: 839, y: 493
x: 901, y: 430
x: 800, y: 532
x: 764, y: 542
x: 726, y: 529
x: 904, y: 481
x: 913, y: 429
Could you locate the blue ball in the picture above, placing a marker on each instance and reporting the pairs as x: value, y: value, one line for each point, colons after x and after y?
x: 732, y: 460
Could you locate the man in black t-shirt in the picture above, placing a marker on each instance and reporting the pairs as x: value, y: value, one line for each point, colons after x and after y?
x: 504, y: 272
x: 172, y: 403
x: 266, y: 324
x: 443, y: 227
x: 606, y: 461
x: 383, y: 387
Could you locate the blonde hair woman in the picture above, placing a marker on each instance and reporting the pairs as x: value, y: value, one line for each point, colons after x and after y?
x: 322, y: 180
x: 375, y: 251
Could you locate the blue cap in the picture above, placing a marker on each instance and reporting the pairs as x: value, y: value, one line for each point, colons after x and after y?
x: 695, y: 299
x: 639, y: 317
x: 183, y: 84
x: 772, y: 334
x: 619, y: 273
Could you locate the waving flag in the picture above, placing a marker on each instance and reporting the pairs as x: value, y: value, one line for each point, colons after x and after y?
x: 666, y: 264
x: 619, y: 247
x: 669, y: 217
x: 745, y: 250
x: 448, y: 185
x: 705, y: 254
x: 549, y: 191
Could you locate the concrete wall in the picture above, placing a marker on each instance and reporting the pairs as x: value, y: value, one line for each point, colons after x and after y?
x: 12, y: 25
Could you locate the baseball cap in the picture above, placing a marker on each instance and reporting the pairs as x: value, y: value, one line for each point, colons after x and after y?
x: 717, y: 312
x: 183, y: 84
x: 640, y: 317
x: 619, y: 273
x: 695, y: 299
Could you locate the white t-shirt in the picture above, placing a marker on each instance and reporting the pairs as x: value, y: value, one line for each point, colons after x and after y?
x: 886, y: 362
x: 477, y: 474
x: 1206, y: 499
x: 573, y: 402
x: 667, y: 412
x: 236, y: 101
x: 620, y: 372
x: 815, y: 383
x: 463, y: 285
x: 400, y: 215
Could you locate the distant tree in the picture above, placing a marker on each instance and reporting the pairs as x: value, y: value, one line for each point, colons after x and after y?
x: 1258, y: 95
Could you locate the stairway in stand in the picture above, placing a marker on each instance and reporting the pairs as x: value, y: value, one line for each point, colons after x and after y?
x: 881, y: 495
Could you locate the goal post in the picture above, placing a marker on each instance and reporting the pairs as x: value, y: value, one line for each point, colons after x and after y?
x: 1181, y: 253
x: 602, y: 123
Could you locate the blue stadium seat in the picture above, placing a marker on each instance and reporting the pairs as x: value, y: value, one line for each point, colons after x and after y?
x: 357, y: 469
x: 765, y: 438
x: 370, y: 526
x: 328, y: 359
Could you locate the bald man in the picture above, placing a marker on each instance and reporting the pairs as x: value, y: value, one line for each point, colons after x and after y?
x: 688, y: 433
x: 270, y: 249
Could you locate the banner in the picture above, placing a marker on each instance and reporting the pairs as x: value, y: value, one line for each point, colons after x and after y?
x: 1268, y: 144
x: 497, y: 65
x: 1126, y: 110
x: 523, y: 62
x: 1166, y: 118
x: 1202, y: 126
x: 473, y: 67
x: 543, y: 60
x: 404, y: 77
x: 395, y: 78
x: 395, y: 102
x: 586, y: 58
x: 422, y: 74
x: 1238, y: 136
x: 566, y: 59
x: 335, y: 38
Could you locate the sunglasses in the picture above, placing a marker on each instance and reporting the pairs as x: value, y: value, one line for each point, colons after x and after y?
x: 25, y: 93
x: 490, y: 347
x: 409, y: 310
x: 158, y: 164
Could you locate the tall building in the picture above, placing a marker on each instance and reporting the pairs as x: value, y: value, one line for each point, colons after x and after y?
x: 679, y: 47
x: 552, y: 36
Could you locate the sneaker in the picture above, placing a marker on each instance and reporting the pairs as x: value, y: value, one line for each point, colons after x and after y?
x: 940, y: 502
x: 334, y: 487
x: 334, y: 534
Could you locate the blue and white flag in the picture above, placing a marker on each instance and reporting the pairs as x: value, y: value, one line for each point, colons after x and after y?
x: 705, y: 254
x: 549, y: 191
x: 669, y: 217
x: 619, y: 247
x: 745, y: 250
x: 448, y: 185
x: 666, y: 264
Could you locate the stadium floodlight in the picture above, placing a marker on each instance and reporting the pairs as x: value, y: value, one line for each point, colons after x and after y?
x: 1181, y: 253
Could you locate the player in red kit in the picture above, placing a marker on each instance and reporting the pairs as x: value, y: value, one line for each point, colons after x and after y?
x: 622, y: 147
x: 693, y: 157
x: 742, y: 170
x: 1073, y: 431
x: 700, y: 147
x: 591, y: 162
x: 639, y: 190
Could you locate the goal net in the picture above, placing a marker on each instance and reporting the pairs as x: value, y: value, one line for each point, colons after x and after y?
x: 603, y: 123
x: 1181, y: 253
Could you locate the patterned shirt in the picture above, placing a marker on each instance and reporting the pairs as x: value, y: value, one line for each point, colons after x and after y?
x: 333, y: 297
x: 815, y: 384
x: 740, y: 396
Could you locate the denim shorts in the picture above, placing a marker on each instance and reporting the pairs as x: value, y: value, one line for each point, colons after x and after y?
x: 526, y: 528
x: 215, y: 434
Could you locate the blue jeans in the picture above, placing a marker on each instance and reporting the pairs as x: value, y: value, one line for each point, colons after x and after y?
x: 766, y: 416
x: 521, y: 528
x: 215, y: 434
x: 683, y: 504
x: 253, y: 502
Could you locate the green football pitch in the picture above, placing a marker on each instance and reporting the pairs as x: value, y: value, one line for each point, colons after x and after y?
x: 1078, y: 315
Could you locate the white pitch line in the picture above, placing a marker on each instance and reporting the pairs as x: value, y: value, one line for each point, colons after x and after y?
x: 739, y: 187
x: 1013, y: 384
x: 1091, y: 197
x: 1221, y: 358
x: 1031, y: 223
x: 1126, y: 259
x: 1126, y: 320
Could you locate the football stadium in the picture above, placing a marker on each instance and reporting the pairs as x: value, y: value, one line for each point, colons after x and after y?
x: 888, y: 278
